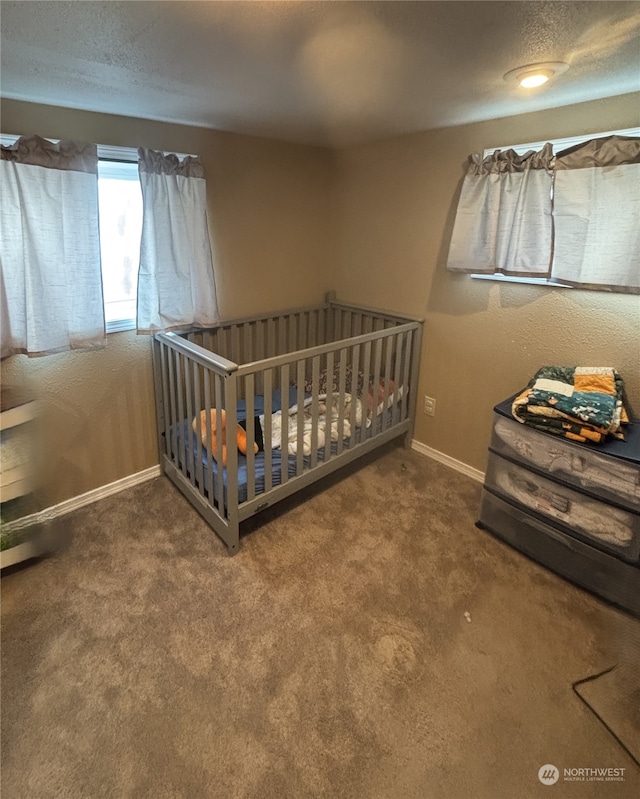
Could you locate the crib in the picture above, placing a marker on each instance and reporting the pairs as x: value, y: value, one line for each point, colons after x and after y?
x: 314, y: 388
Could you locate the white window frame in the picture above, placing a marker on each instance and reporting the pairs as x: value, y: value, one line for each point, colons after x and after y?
x: 521, y: 149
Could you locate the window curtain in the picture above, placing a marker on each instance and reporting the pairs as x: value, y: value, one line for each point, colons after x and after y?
x: 597, y: 215
x: 503, y: 222
x: 176, y: 286
x: 51, y: 281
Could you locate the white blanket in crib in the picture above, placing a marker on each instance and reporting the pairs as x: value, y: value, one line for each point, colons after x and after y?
x: 328, y: 420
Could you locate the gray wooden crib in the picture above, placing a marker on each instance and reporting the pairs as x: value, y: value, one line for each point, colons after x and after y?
x: 315, y: 388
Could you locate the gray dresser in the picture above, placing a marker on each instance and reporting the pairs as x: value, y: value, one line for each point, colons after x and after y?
x: 572, y: 507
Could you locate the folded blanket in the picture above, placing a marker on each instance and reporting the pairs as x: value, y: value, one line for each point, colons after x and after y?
x: 581, y: 403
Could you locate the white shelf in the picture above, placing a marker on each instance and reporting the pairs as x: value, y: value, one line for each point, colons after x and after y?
x: 24, y: 551
x: 15, y: 483
x: 19, y: 414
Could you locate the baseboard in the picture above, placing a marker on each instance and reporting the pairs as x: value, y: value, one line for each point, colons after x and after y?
x: 447, y: 460
x: 69, y: 505
x: 62, y: 508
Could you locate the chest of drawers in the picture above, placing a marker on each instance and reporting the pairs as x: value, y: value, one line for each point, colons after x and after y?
x: 572, y: 507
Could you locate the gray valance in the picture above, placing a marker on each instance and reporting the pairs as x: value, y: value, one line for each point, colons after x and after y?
x: 501, y: 161
x: 608, y: 151
x: 156, y: 163
x: 68, y: 155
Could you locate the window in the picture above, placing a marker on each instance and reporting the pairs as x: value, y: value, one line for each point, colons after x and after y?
x: 120, y: 204
x: 567, y: 218
x: 120, y: 210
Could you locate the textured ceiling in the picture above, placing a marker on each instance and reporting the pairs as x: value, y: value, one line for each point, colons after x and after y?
x: 329, y: 73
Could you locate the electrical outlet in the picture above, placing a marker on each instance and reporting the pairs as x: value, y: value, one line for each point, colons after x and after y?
x: 430, y: 406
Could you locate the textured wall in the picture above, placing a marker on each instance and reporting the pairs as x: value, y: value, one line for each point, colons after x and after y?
x: 290, y: 222
x: 271, y: 217
x: 483, y: 340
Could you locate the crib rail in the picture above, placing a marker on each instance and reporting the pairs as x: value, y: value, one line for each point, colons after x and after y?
x: 369, y: 358
x: 357, y: 365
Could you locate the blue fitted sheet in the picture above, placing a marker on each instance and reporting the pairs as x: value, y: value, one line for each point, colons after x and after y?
x: 191, y: 445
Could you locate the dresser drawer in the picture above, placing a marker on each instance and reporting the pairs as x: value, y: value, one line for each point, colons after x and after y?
x: 600, y: 524
x: 580, y: 465
x: 605, y: 575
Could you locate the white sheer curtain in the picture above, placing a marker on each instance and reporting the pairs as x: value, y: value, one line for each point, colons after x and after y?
x: 50, y: 248
x: 176, y: 286
x: 597, y: 215
x: 503, y: 222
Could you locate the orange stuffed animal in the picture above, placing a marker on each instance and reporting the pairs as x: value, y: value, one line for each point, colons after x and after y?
x: 241, y: 434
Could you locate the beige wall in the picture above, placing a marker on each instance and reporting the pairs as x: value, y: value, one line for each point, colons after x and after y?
x: 483, y: 341
x: 270, y: 209
x: 290, y: 222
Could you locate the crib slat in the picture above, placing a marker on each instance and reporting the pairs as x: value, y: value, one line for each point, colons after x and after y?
x: 323, y: 314
x: 341, y: 399
x: 312, y: 339
x: 208, y: 434
x: 191, y: 456
x: 251, y: 437
x: 346, y: 328
x: 197, y: 410
x: 261, y: 337
x: 327, y: 415
x: 174, y: 411
x: 291, y: 319
x: 366, y: 368
x: 355, y: 365
x: 282, y: 335
x: 219, y: 404
x: 405, y: 379
x: 303, y: 330
x: 315, y: 384
x: 388, y: 344
x: 247, y: 342
x: 284, y: 419
x: 236, y: 353
x: 165, y: 400
x: 397, y: 353
x: 182, y: 464
x: 271, y: 338
x: 268, y: 411
x: 300, y: 401
x: 376, y: 384
x: 221, y: 342
x: 230, y: 400
x: 337, y: 323
x: 357, y: 326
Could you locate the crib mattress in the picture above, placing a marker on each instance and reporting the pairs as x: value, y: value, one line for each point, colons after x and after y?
x: 183, y: 432
x: 609, y: 471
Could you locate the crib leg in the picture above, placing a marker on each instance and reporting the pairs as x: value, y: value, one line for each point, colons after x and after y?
x: 407, y: 440
x: 233, y: 541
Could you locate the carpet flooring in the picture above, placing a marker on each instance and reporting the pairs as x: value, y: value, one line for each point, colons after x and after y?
x: 367, y: 642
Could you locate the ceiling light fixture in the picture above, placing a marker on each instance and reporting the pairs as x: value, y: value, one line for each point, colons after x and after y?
x: 534, y: 75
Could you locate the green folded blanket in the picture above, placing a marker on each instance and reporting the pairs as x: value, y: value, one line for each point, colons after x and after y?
x: 583, y: 403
